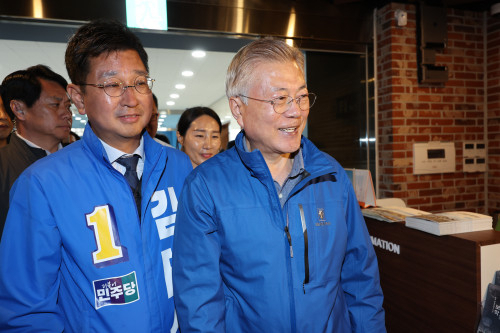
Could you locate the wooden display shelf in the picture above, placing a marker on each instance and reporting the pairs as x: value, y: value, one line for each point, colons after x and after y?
x: 433, y: 283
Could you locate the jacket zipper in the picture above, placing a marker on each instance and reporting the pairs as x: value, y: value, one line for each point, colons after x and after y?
x: 287, y: 231
x: 306, y: 248
x: 306, y: 245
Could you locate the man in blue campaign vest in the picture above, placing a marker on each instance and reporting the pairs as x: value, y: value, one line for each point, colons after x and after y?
x: 88, y: 238
x: 269, y: 234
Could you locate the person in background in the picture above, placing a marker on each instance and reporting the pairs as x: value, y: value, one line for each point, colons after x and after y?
x: 152, y: 126
x: 36, y: 100
x: 198, y: 133
x: 72, y: 137
x: 5, y: 124
x: 88, y: 238
x: 269, y: 234
x: 163, y: 139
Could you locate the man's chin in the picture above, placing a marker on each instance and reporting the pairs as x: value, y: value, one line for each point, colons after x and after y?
x: 63, y: 135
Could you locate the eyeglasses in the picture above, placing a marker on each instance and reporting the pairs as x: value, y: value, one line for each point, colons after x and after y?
x: 283, y: 103
x: 116, y: 87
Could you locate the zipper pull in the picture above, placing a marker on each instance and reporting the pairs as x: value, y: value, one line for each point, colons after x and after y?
x: 289, y: 241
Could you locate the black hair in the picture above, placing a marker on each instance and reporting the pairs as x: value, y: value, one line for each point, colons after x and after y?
x: 163, y: 138
x: 95, y: 38
x: 155, y: 99
x: 191, y: 114
x: 77, y: 137
x: 24, y: 85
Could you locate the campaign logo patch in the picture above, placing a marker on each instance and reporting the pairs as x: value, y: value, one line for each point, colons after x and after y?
x: 116, y: 290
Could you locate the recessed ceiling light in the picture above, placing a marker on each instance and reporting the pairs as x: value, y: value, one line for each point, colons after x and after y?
x: 180, y: 86
x: 163, y: 116
x: 170, y: 103
x: 187, y: 73
x: 198, y: 54
x: 174, y: 95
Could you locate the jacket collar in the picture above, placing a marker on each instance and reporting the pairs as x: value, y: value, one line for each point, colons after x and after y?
x: 315, y: 161
x: 152, y: 150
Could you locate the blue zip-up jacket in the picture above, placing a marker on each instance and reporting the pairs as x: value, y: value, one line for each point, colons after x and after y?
x: 235, y: 270
x: 75, y: 257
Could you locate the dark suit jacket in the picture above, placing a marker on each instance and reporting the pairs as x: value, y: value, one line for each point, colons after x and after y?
x: 14, y: 158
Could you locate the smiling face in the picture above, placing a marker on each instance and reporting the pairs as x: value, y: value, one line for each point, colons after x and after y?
x: 273, y: 134
x: 202, y: 139
x: 118, y: 121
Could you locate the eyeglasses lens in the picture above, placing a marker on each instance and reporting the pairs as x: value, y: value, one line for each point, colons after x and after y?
x: 116, y: 88
x: 305, y: 102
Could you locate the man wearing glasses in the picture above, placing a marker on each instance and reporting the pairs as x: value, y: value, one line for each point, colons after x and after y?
x: 269, y: 235
x: 88, y: 239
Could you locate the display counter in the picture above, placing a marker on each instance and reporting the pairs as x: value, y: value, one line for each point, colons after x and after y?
x: 433, y: 283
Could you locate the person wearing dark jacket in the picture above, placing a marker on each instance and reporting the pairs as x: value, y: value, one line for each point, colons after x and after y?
x: 36, y: 100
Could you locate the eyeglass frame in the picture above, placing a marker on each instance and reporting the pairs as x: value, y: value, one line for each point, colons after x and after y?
x: 273, y: 101
x: 124, y: 85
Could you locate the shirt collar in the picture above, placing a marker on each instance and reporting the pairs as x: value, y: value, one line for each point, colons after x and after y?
x: 34, y: 145
x: 298, y: 161
x: 298, y: 164
x: 114, y: 154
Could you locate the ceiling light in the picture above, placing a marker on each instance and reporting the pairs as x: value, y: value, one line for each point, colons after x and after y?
x: 174, y: 95
x: 187, y: 73
x: 170, y: 103
x: 163, y: 116
x: 198, y: 54
x: 180, y: 86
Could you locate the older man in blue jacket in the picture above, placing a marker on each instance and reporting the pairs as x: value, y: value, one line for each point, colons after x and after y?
x: 269, y: 235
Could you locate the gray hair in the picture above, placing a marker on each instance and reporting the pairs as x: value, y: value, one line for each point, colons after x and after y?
x: 239, y: 75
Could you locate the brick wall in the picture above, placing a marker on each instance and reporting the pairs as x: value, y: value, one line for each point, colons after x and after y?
x: 410, y: 112
x: 493, y: 122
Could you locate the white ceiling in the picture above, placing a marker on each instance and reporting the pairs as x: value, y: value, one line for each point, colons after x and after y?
x: 204, y: 88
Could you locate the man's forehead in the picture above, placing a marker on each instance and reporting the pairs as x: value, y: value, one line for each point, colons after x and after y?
x: 52, y: 87
x: 116, y: 63
x: 113, y: 73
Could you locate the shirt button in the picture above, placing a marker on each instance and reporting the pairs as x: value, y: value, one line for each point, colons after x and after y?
x: 280, y: 195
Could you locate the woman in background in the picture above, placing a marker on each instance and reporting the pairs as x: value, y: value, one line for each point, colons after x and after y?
x: 198, y: 132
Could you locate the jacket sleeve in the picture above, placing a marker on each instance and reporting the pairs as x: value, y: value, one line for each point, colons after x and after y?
x: 198, y: 291
x: 360, y: 276
x: 30, y: 257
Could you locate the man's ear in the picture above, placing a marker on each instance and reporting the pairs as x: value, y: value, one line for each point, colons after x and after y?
x: 18, y: 108
x: 76, y: 97
x: 237, y: 106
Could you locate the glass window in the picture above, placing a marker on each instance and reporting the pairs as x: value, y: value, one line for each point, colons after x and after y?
x: 342, y: 120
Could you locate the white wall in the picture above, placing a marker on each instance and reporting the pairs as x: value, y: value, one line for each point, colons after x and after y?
x: 221, y: 106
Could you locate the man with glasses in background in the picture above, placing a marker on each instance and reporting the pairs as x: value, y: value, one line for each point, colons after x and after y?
x: 269, y: 234
x: 88, y: 238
